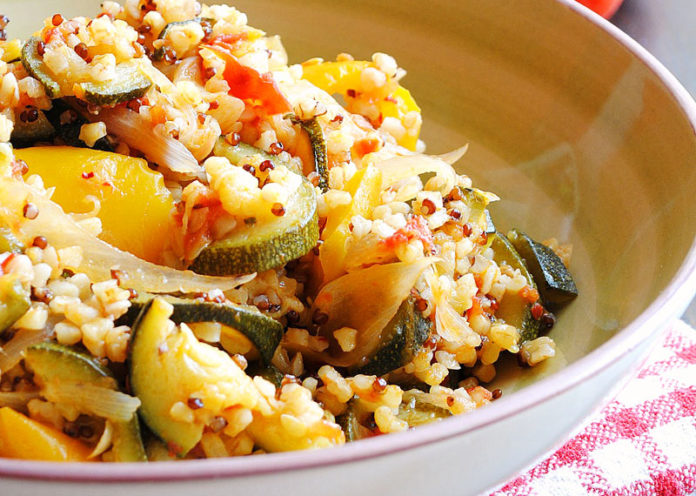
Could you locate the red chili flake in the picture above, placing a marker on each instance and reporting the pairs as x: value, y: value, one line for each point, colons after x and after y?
x: 214, y: 105
x: 87, y: 175
x: 40, y: 242
x: 275, y: 148
x: 529, y: 293
x: 119, y: 275
x: 233, y: 138
x: 57, y: 19
x: 367, y: 145
x: 41, y: 48
x: 379, y: 385
x: 278, y: 209
x: 194, y: 403
x: 537, y: 311
x: 351, y: 93
x: 201, y: 118
x: 496, y: 393
x: 19, y: 167
x: 30, y: 211
x: 428, y: 207
x: 266, y: 165
x: 466, y: 230
x: 7, y: 261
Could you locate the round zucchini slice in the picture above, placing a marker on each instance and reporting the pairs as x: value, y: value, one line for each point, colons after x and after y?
x: 55, y: 362
x: 264, y: 332
x: 128, y: 84
x: 256, y: 248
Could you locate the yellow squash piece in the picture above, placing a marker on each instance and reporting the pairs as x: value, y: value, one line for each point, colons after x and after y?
x: 27, y: 439
x: 365, y: 187
x: 340, y: 77
x: 136, y: 208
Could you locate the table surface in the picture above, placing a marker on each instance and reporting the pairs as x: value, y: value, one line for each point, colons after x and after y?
x: 667, y: 28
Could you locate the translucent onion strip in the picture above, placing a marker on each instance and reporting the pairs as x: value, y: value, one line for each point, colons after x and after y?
x: 137, y: 132
x: 104, y: 441
x: 99, y: 257
x: 404, y: 167
x: 17, y: 400
x: 11, y: 352
x: 377, y: 292
x: 94, y: 400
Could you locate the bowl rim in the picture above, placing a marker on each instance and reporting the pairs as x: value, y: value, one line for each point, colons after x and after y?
x: 669, y: 305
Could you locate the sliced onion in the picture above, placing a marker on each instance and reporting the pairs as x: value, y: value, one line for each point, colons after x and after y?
x: 454, y: 155
x: 104, y: 441
x: 366, y: 300
x: 11, y: 352
x: 99, y: 257
x: 93, y: 400
x: 17, y: 400
x: 138, y: 133
x: 454, y: 328
x: 404, y: 167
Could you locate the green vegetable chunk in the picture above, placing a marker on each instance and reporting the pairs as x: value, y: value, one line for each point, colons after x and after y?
x: 556, y: 285
x: 169, y: 29
x: 415, y: 411
x: 264, y: 332
x: 14, y: 301
x: 401, y: 340
x: 52, y: 362
x: 319, y: 150
x: 514, y: 309
x: 27, y: 133
x: 256, y: 248
x: 128, y: 84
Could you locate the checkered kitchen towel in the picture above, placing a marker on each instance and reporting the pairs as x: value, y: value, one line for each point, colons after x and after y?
x: 641, y: 444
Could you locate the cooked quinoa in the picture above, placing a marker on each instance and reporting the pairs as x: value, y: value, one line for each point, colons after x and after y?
x: 205, y: 254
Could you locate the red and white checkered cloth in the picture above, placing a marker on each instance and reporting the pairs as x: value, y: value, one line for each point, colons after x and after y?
x: 643, y: 443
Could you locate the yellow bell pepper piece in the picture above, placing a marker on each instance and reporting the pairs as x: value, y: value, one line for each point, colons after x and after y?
x: 27, y: 439
x: 136, y: 208
x: 339, y: 77
x: 11, y: 50
x: 365, y: 187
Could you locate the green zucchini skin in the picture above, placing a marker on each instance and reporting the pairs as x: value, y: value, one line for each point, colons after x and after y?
x: 55, y: 362
x: 556, y: 285
x: 401, y: 340
x: 158, y: 54
x: 271, y: 245
x: 264, y: 332
x: 34, y: 65
x: 350, y: 423
x: 319, y: 150
x: 27, y: 133
x: 129, y: 84
x: 514, y: 309
x: 14, y: 301
x: 416, y: 412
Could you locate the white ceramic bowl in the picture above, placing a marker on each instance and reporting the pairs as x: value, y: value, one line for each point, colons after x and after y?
x: 583, y: 134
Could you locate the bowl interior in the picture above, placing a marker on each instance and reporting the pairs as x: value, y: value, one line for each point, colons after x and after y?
x: 578, y: 137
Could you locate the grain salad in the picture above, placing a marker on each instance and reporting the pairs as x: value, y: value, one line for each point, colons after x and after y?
x: 207, y: 251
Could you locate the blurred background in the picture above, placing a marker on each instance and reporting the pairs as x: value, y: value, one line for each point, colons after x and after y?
x: 667, y: 28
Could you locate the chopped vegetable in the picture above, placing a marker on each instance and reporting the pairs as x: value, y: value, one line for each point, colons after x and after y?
x: 14, y: 301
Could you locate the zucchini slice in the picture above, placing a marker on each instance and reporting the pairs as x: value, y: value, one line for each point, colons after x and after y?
x: 169, y: 366
x: 129, y: 83
x: 264, y: 332
x: 514, y: 309
x: 54, y: 362
x: 401, y: 340
x: 556, y: 285
x: 14, y: 301
x: 253, y: 248
x: 28, y: 133
x: 166, y: 32
x: 319, y: 150
x: 415, y: 411
x: 241, y: 152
